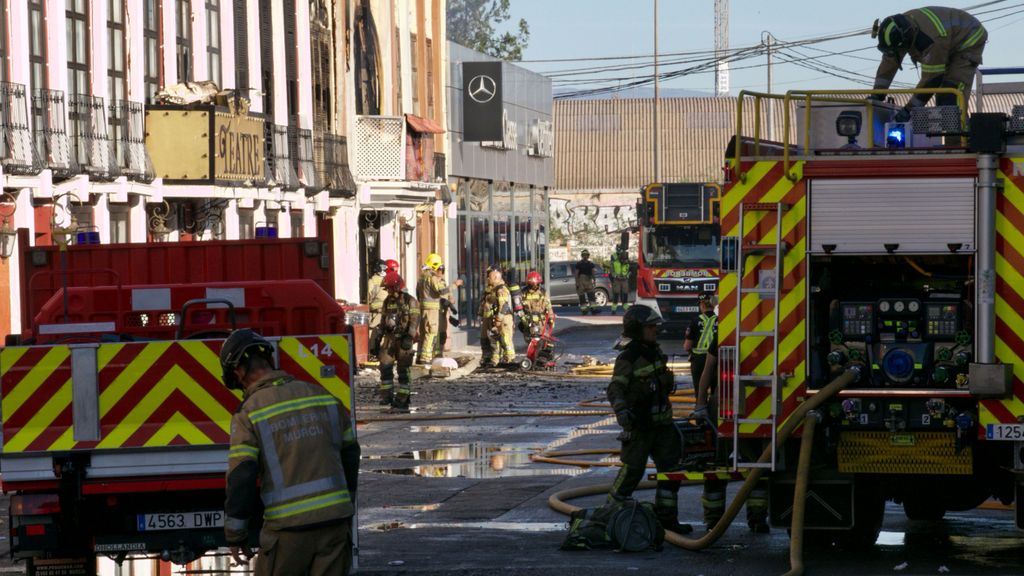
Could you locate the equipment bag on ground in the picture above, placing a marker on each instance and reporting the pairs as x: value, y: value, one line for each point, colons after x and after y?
x: 628, y: 526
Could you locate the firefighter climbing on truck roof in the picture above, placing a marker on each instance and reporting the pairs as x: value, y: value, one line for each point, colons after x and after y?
x: 946, y: 43
x: 293, y: 446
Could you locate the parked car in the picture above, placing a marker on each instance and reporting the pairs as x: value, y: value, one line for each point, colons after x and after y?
x: 562, y: 284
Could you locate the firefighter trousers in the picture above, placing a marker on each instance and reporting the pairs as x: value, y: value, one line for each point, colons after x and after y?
x: 713, y: 502
x: 391, y: 353
x: 620, y: 293
x: 428, y: 334
x: 585, y: 292
x: 662, y: 444
x: 503, y: 349
x: 485, y: 340
x: 321, y: 551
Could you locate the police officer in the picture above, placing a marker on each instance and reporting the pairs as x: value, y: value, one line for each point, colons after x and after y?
x: 946, y: 43
x: 639, y: 395
x: 704, y: 366
x: 400, y: 325
x: 498, y: 308
x: 537, y: 310
x: 585, y: 284
x: 375, y: 295
x: 620, y: 280
x: 294, y: 447
x: 431, y: 290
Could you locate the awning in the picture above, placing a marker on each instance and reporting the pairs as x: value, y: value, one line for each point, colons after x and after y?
x: 424, y: 125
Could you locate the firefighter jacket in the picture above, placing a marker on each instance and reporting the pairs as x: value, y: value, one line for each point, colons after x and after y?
x: 431, y: 289
x: 484, y: 302
x: 498, y: 302
x: 297, y: 440
x: 401, y: 315
x: 620, y: 270
x: 376, y: 294
x: 641, y: 383
x: 536, y: 304
x: 940, y: 34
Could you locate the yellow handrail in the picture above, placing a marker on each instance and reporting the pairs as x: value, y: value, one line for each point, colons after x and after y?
x: 810, y: 96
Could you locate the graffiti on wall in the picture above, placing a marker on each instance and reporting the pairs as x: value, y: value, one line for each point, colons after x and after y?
x: 573, y: 217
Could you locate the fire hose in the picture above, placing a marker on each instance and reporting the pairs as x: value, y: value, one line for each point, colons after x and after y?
x: 558, y: 500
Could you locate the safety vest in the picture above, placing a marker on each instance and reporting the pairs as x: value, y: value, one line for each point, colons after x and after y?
x: 707, y: 334
x: 620, y: 270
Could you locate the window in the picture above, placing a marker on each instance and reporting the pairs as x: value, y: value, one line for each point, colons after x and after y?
x: 298, y: 223
x: 397, y: 57
x: 290, y: 69
x: 183, y: 39
x: 213, y: 40
x: 116, y: 77
x: 241, y: 48
x: 3, y: 40
x: 119, y: 228
x: 37, y: 44
x: 414, y: 52
x: 430, y: 79
x: 77, y: 13
x: 246, y: 228
x: 151, y: 45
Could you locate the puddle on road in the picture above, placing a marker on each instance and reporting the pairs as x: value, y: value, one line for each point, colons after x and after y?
x: 535, y: 527
x: 473, y: 460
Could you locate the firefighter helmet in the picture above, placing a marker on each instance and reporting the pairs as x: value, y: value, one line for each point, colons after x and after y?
x: 240, y: 346
x: 585, y: 254
x: 534, y: 278
x: 434, y: 261
x: 391, y: 265
x: 894, y: 34
x: 393, y: 281
x: 638, y: 316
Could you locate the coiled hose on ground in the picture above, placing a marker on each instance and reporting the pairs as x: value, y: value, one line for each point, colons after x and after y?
x: 558, y: 500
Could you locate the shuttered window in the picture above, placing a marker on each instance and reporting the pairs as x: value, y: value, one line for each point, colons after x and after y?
x: 117, y: 79
x: 37, y: 45
x: 290, y: 47
x: 151, y: 47
x: 213, y: 41
x: 242, y: 48
x: 77, y: 14
x: 183, y: 39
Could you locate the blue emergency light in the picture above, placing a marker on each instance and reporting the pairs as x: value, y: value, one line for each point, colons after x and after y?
x: 896, y: 135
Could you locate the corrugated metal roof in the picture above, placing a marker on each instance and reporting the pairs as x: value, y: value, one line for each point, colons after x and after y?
x: 606, y: 145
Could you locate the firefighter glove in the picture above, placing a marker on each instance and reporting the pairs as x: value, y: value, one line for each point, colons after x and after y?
x: 625, y: 418
x: 453, y: 321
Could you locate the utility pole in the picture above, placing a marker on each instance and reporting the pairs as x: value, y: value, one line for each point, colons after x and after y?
x: 657, y: 136
x: 721, y: 47
x: 767, y: 39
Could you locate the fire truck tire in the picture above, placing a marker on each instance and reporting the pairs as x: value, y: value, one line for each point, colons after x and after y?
x: 600, y: 297
x: 868, y: 512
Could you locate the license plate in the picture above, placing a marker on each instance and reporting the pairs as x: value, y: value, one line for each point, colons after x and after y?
x: 1004, y: 432
x: 180, y: 520
x: 686, y: 309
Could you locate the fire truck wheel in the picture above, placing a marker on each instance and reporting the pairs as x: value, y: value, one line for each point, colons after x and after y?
x: 868, y: 512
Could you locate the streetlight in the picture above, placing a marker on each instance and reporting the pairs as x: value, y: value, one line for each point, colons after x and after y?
x: 8, y: 235
x: 158, y: 223
x: 62, y: 234
x: 407, y: 230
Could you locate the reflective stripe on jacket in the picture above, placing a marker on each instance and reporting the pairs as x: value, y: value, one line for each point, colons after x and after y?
x: 430, y: 289
x: 709, y: 323
x: 293, y: 436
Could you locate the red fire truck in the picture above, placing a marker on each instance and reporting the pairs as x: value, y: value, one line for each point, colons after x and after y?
x: 115, y: 420
x: 898, y: 251
x: 678, y: 254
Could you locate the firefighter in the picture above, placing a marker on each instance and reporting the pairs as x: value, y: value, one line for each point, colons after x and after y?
x: 375, y: 295
x: 449, y: 315
x: 498, y: 308
x: 400, y: 325
x: 431, y: 291
x: 946, y: 43
x: 585, y: 284
x: 536, y: 306
x: 620, y: 281
x: 485, y: 322
x: 639, y: 395
x: 704, y: 367
x: 293, y: 446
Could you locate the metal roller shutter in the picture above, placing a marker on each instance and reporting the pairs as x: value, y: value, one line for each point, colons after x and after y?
x: 920, y: 214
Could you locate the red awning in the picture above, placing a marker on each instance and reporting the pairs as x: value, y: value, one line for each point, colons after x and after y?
x: 425, y: 125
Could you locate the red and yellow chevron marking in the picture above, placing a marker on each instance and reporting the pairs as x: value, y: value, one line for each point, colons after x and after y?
x: 1009, y: 342
x: 699, y: 476
x: 767, y: 182
x: 311, y: 358
x: 36, y: 392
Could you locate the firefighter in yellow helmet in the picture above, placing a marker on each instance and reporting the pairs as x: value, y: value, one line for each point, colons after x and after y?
x: 293, y: 446
x: 946, y: 43
x: 433, y: 294
x: 498, y: 310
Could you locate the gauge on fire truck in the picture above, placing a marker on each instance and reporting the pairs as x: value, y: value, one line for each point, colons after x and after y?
x: 942, y: 319
x: 858, y: 319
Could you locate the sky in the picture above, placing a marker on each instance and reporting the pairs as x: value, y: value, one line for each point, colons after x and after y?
x: 600, y: 28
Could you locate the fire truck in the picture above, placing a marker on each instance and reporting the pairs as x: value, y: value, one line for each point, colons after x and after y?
x: 677, y: 259
x: 895, y: 250
x: 115, y: 421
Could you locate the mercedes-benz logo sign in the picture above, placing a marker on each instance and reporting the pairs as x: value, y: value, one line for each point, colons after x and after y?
x: 482, y: 89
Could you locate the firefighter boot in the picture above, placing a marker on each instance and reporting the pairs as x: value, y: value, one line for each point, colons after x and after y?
x: 386, y: 395
x: 666, y: 506
x: 757, y: 509
x: 387, y: 383
x: 400, y: 405
x: 713, y: 502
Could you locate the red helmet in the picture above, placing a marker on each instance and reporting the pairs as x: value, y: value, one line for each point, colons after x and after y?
x: 391, y: 265
x: 393, y: 281
x: 534, y: 278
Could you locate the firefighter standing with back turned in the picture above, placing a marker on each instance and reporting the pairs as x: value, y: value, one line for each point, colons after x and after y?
x: 585, y: 284
x: 432, y: 291
x: 498, y: 310
x: 620, y: 281
x: 294, y: 447
x: 946, y: 43
x: 639, y: 395
x: 400, y: 324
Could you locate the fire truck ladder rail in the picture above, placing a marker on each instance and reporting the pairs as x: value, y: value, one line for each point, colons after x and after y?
x: 777, y: 249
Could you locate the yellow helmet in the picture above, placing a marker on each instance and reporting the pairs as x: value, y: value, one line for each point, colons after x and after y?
x: 434, y: 261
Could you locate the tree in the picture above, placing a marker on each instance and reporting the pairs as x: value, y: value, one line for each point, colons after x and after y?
x: 472, y: 23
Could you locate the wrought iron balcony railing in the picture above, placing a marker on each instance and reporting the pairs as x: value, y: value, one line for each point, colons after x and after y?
x: 51, y: 134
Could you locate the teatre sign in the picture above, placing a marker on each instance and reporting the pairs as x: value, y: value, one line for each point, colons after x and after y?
x: 238, y: 148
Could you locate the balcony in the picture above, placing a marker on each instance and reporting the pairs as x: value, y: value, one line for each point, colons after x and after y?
x: 333, y: 173
x: 51, y: 134
x: 300, y: 144
x: 280, y: 170
x: 128, y: 133
x: 18, y: 153
x: 93, y: 150
x: 380, y: 148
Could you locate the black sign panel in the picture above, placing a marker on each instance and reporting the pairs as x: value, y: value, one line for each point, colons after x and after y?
x: 481, y: 102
